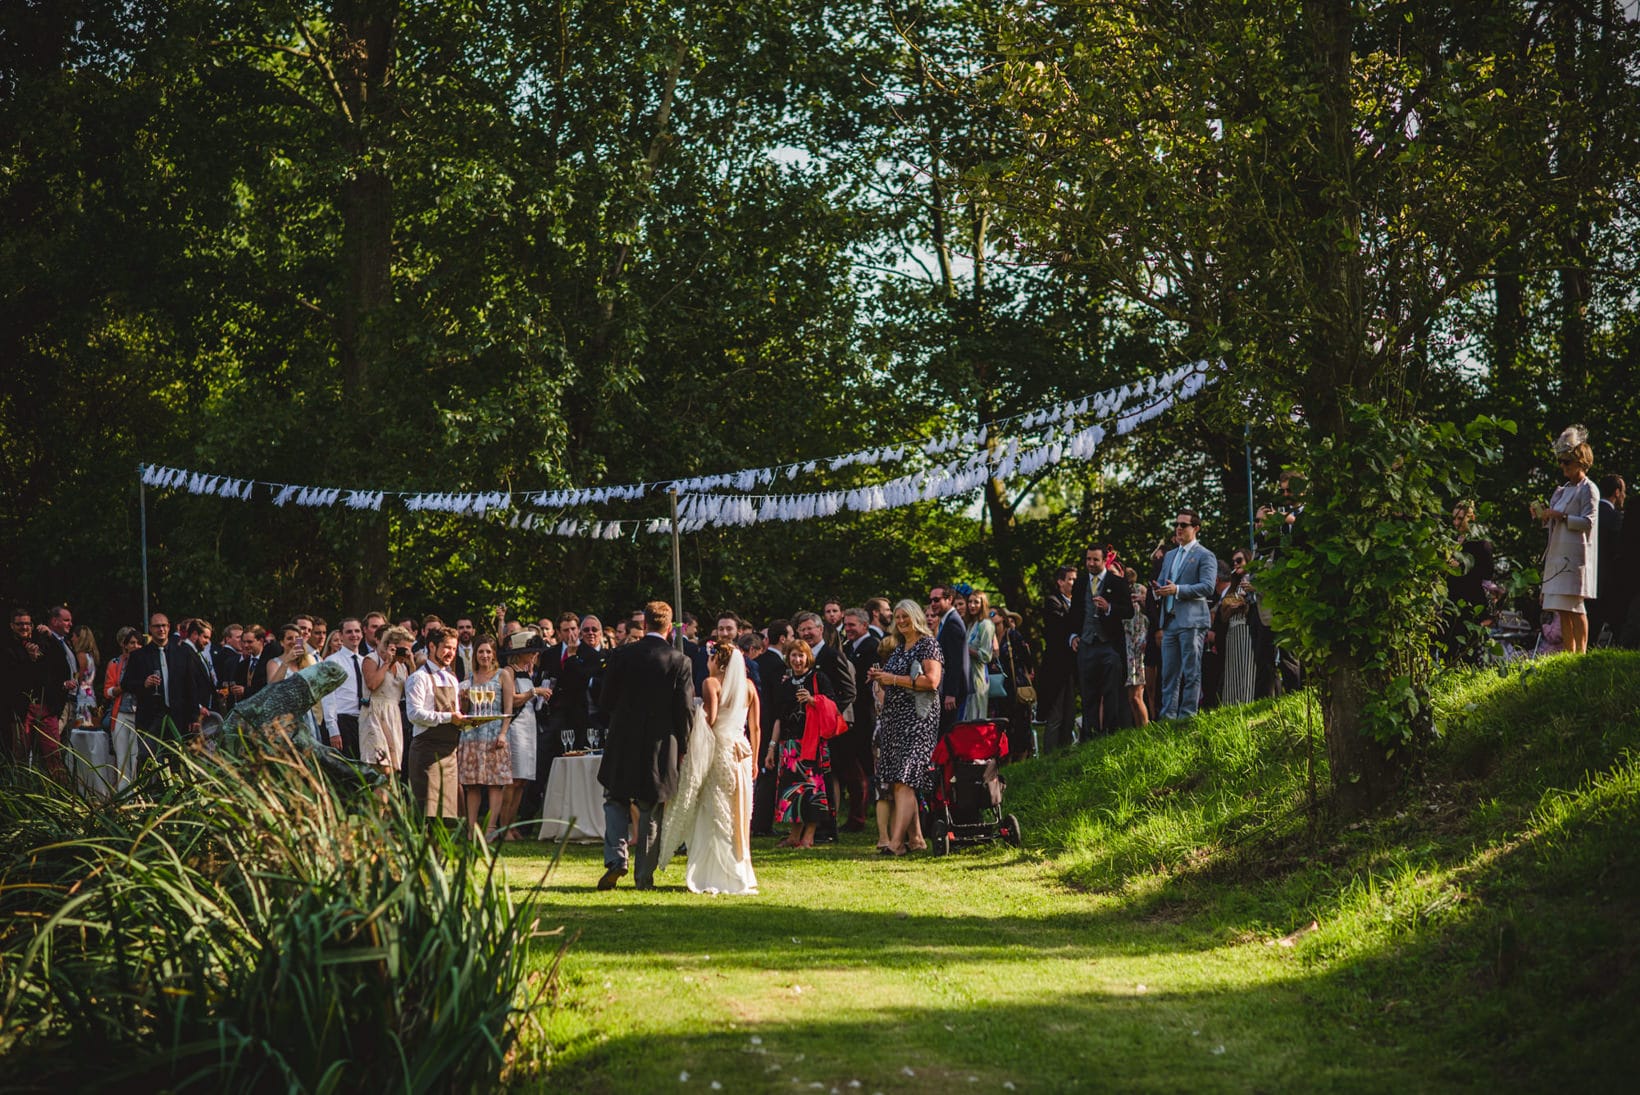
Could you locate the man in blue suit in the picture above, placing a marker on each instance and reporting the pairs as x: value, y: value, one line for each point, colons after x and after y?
x: 1186, y: 584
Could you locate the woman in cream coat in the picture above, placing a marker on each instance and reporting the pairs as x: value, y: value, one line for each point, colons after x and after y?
x: 1569, y: 565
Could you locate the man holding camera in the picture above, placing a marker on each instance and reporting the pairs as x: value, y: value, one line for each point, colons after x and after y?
x: 1100, y: 604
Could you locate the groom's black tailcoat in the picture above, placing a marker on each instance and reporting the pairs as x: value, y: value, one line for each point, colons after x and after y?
x: 648, y: 694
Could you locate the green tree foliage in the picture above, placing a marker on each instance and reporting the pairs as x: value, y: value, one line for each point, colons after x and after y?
x: 1307, y: 188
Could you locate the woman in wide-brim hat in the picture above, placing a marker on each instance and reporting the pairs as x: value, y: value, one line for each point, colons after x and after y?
x: 1570, y: 564
x: 519, y: 698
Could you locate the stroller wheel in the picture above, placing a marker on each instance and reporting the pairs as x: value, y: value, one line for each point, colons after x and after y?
x: 939, y: 838
x: 1010, y: 831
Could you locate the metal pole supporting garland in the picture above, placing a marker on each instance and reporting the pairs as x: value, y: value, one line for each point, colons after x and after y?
x: 677, y: 574
x: 142, y: 509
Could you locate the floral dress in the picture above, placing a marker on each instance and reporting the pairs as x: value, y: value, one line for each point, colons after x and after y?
x: 1136, y: 631
x: 906, y: 730
x: 481, y: 754
x: 802, y: 795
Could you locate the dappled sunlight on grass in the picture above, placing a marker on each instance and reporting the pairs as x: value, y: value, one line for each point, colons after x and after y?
x: 860, y: 969
x: 1175, y: 923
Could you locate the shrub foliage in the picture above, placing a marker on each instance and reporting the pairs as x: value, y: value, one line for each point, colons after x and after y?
x: 243, y: 924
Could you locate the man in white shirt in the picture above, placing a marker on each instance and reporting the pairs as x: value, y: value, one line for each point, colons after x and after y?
x: 343, y: 706
x: 431, y: 701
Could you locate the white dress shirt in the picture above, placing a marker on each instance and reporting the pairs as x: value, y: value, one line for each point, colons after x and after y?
x: 345, y: 700
x: 419, y: 700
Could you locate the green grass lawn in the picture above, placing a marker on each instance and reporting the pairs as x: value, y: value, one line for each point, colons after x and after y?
x: 1153, y: 936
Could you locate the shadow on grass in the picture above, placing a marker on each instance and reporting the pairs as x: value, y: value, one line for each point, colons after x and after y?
x: 872, y: 925
x: 1272, y: 1038
x: 1492, y: 906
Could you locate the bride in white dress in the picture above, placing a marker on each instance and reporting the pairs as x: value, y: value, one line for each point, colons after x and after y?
x: 712, y: 810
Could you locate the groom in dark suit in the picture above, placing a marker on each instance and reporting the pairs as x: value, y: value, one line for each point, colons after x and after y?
x: 649, y: 695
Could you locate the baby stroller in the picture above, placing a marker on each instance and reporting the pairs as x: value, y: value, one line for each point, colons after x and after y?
x: 966, y: 808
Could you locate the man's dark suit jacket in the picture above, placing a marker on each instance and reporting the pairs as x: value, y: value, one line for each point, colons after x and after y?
x: 836, y: 665
x: 1111, y: 588
x: 252, y: 674
x: 579, y: 678
x: 190, y: 687
x: 862, y: 656
x: 649, y: 694
x: 225, y: 660
x: 1468, y: 588
x: 56, y: 665
x: 1057, y: 657
x: 953, y: 640
x: 19, y: 680
x: 771, y: 668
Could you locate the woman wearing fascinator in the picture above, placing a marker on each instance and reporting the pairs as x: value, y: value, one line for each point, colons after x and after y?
x: 1569, y: 563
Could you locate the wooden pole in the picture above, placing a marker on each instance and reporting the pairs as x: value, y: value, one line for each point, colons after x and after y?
x: 677, y: 575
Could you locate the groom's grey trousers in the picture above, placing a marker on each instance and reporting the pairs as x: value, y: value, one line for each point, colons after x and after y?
x: 647, y: 839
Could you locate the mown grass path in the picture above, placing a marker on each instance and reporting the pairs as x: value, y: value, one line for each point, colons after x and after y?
x: 979, y: 972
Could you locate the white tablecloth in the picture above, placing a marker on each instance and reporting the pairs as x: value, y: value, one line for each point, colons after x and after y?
x: 573, y: 792
x: 91, y: 761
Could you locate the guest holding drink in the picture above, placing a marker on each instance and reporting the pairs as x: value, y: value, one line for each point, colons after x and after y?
x: 1570, y: 564
x: 481, y: 755
x: 520, y: 701
x: 122, y: 711
x: 294, y: 657
x: 908, y: 723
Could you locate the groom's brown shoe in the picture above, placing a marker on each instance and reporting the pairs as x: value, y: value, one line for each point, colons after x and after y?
x: 611, y: 876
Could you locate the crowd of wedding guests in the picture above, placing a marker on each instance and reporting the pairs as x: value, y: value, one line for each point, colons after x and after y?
x: 487, y: 704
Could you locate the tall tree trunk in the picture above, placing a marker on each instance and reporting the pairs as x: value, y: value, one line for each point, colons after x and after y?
x: 1010, y: 575
x: 1362, y: 774
x: 362, y: 67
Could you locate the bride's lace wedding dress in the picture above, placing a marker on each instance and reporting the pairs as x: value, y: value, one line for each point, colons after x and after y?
x: 712, y: 809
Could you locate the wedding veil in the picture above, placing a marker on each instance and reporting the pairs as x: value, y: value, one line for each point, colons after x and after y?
x: 702, y: 754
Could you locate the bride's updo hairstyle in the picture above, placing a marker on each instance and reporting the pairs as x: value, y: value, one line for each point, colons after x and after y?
x: 722, y: 655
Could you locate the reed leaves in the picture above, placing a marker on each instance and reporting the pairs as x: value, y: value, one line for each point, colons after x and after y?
x: 243, y: 923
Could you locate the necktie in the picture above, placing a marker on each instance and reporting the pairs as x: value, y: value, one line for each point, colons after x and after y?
x: 164, y: 677
x: 1173, y: 575
x: 358, y: 682
x: 210, y: 670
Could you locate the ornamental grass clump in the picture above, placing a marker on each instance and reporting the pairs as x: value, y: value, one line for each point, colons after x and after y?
x: 244, y: 923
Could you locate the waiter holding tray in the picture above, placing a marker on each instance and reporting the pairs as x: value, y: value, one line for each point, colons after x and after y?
x: 432, y: 700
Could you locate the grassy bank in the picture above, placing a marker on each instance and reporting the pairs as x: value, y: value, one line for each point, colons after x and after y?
x: 1489, y: 917
x: 1156, y: 935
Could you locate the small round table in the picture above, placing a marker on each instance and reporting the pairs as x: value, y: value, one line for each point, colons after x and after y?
x: 573, y: 808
